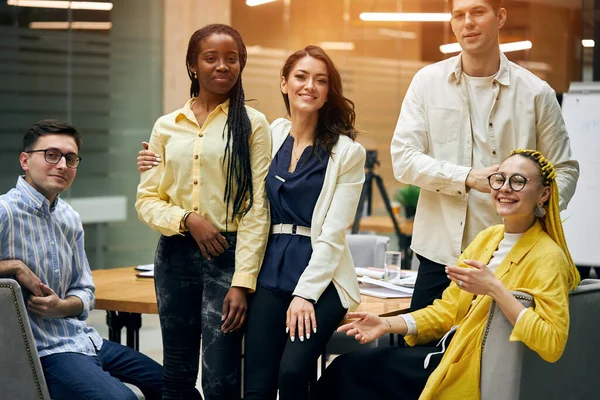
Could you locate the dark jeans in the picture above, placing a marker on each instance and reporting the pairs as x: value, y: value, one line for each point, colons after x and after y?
x: 73, y: 376
x: 190, y: 291
x: 272, y: 360
x: 431, y: 283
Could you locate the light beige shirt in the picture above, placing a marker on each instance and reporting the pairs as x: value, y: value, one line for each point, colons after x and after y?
x: 191, y: 177
x: 433, y: 148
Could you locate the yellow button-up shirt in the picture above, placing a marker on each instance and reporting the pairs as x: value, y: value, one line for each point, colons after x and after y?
x: 191, y: 177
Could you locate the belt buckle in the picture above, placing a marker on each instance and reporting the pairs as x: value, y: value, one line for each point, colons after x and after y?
x: 294, y: 226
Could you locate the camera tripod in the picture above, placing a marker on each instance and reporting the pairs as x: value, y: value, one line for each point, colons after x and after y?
x: 367, y: 196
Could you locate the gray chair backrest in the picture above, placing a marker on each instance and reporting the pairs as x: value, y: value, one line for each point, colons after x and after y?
x: 501, y: 358
x: 368, y: 250
x: 575, y: 375
x: 21, y: 375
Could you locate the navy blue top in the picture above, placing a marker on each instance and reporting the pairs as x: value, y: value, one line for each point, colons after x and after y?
x: 292, y: 196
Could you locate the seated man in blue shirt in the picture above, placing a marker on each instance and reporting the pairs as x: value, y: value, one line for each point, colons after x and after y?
x: 41, y: 243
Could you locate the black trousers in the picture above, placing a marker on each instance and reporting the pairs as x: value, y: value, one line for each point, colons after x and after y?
x: 273, y: 361
x: 382, y: 373
x: 190, y: 291
x: 431, y: 283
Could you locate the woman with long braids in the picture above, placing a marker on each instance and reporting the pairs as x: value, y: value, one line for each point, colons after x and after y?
x: 307, y: 281
x: 205, y: 193
x: 527, y: 253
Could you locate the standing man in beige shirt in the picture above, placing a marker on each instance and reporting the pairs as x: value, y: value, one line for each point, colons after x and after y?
x: 460, y: 118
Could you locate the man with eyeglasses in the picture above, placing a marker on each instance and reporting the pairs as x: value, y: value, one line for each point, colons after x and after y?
x: 460, y: 118
x: 41, y: 245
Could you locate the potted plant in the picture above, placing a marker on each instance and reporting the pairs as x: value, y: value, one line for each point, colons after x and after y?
x: 408, y: 196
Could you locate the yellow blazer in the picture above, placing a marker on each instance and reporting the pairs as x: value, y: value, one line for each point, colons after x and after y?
x: 535, y: 265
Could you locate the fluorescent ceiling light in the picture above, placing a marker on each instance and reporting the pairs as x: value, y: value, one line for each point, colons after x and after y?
x: 253, y: 3
x: 74, y: 5
x: 345, y: 46
x: 406, y: 17
x: 588, y: 43
x: 397, y: 34
x: 504, y: 47
x: 516, y: 46
x: 96, y: 26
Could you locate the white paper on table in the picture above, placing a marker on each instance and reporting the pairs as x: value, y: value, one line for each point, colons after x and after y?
x: 369, y: 272
x: 407, y: 282
x: 381, y: 292
x: 145, y: 274
x: 145, y: 267
x: 387, y: 285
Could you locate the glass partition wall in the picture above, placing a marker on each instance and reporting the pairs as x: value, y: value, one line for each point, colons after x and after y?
x: 99, y: 66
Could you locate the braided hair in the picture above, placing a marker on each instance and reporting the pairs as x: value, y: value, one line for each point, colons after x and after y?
x: 551, y: 222
x: 238, y: 185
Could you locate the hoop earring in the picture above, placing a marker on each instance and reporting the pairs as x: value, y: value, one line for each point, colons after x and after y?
x: 540, y: 211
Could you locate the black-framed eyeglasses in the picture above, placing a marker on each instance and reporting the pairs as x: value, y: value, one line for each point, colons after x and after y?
x: 516, y: 182
x: 53, y: 156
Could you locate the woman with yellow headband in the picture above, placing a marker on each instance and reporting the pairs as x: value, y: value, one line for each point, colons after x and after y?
x: 527, y: 253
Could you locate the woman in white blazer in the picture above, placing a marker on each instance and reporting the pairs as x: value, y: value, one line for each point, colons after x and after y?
x: 307, y: 281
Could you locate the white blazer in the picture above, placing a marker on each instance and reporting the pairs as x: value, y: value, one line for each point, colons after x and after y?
x: 331, y: 260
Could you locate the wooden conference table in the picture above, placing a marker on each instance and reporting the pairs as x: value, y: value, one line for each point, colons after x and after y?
x: 125, y: 297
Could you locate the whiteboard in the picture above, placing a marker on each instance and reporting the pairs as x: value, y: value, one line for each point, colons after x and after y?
x: 581, y: 112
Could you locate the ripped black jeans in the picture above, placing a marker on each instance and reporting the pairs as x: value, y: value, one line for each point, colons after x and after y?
x: 190, y: 292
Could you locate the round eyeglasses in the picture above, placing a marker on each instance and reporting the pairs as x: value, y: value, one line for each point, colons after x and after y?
x: 53, y: 156
x: 516, y: 182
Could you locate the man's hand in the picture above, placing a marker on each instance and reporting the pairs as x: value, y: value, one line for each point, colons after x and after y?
x: 209, y: 239
x: 234, y: 309
x: 49, y: 305
x: 478, y: 178
x: 23, y: 275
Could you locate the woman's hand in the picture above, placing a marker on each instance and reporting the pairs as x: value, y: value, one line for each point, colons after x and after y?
x: 234, y: 310
x: 300, y: 314
x: 479, y: 280
x: 209, y: 239
x: 146, y: 158
x: 367, y: 328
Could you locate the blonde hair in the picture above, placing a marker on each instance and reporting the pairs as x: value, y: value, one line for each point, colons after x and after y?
x: 551, y: 222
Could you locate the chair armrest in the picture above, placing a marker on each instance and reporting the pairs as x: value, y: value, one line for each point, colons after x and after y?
x: 22, y: 376
x: 501, y: 359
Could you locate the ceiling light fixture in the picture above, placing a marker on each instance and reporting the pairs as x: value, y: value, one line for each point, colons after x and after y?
x: 588, y: 43
x: 253, y: 3
x: 406, y: 17
x: 504, y: 47
x: 63, y: 25
x: 74, y: 5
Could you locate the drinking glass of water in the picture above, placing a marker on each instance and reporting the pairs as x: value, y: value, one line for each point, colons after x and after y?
x: 392, y: 265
